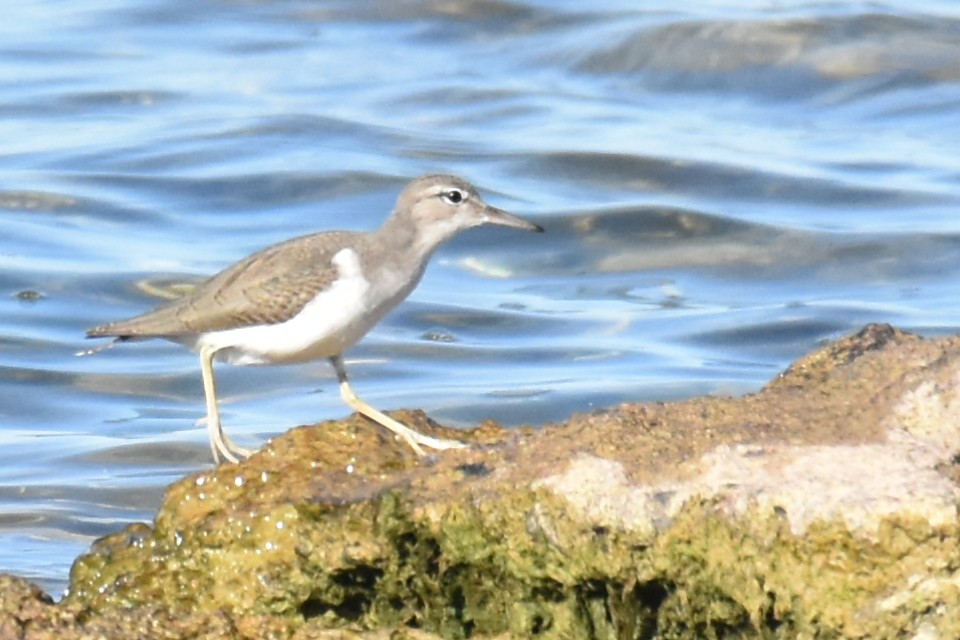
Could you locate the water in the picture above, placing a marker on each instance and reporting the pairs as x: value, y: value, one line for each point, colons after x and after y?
x: 724, y: 186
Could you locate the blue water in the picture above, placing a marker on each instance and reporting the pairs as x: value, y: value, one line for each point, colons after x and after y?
x: 724, y: 185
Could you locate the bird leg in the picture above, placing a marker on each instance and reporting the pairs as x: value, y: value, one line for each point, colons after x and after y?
x: 410, y: 436
x: 220, y: 443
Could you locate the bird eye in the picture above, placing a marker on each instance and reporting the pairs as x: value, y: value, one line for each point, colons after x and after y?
x: 453, y: 196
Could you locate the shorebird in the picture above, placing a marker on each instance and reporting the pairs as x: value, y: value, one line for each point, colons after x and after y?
x: 315, y: 296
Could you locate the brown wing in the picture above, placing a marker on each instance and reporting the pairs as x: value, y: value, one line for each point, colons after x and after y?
x: 267, y: 287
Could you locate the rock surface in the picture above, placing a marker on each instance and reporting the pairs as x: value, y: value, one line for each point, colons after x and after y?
x: 825, y: 505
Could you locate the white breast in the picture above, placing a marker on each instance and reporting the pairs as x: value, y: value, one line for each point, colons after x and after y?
x: 329, y: 324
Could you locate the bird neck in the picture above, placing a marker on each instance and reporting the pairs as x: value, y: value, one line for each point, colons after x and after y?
x: 410, y: 241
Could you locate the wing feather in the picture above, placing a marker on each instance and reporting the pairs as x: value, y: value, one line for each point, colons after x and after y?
x: 267, y: 287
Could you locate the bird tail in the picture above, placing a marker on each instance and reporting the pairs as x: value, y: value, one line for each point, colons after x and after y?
x: 100, y: 347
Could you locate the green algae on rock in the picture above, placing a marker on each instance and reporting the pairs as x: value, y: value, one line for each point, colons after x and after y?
x: 823, y: 506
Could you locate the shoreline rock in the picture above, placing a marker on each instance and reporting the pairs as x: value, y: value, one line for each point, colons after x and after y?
x: 825, y: 505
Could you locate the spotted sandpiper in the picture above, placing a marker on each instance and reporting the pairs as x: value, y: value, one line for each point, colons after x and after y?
x: 315, y: 297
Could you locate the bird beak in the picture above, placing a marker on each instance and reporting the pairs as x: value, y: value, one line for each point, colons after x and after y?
x: 492, y: 215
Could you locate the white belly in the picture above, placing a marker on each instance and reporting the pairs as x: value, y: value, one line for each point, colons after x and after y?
x: 335, y: 320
